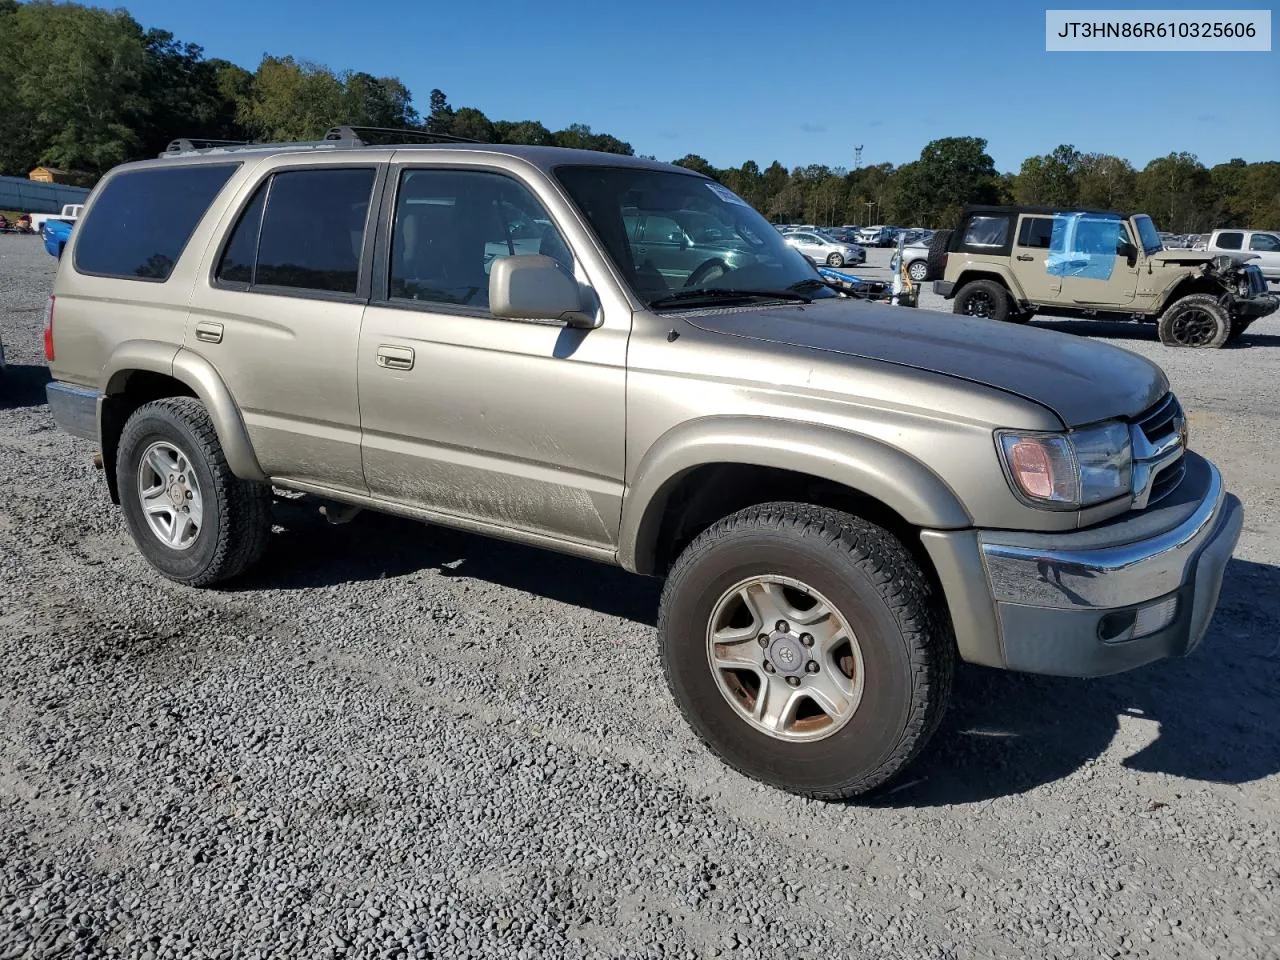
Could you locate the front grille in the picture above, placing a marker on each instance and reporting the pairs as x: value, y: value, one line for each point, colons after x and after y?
x: 1166, y: 481
x: 1158, y: 448
x: 1160, y: 421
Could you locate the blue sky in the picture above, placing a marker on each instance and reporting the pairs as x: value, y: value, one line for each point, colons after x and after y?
x: 771, y: 80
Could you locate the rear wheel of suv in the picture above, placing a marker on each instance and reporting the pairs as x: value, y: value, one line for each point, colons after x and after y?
x: 983, y: 298
x: 806, y: 648
x: 1197, y: 320
x: 192, y: 518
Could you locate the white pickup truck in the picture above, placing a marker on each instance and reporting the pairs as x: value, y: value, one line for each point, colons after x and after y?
x: 1264, y: 245
x: 70, y: 211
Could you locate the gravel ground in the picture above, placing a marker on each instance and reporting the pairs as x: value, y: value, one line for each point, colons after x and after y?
x: 398, y: 741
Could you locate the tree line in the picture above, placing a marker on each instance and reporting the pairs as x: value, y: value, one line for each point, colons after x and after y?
x: 83, y: 89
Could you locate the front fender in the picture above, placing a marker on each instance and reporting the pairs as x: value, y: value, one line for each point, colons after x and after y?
x: 197, y: 374
x: 859, y: 463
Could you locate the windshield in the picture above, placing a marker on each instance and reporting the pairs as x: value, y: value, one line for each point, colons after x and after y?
x: 1147, y: 233
x: 674, y: 236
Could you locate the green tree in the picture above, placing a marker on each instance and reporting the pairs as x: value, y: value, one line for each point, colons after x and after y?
x: 523, y: 131
x: 580, y: 136
x: 377, y: 102
x: 1105, y: 182
x: 1049, y: 179
x: 72, y: 81
x: 951, y: 172
x: 1177, y: 192
x: 440, y: 119
x: 470, y: 123
x: 290, y: 100
x: 692, y: 161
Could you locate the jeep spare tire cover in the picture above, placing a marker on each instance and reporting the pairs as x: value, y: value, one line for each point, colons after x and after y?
x: 937, y: 250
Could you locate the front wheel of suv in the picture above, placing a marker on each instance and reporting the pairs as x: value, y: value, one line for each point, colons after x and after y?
x: 192, y: 518
x: 983, y: 298
x: 806, y: 648
x: 1197, y: 320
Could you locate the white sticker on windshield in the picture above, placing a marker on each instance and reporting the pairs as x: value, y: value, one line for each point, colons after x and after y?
x: 727, y: 195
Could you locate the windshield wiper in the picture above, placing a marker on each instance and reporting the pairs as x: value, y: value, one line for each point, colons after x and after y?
x: 724, y: 294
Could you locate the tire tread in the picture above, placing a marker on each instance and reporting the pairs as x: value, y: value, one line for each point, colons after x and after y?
x: 901, y: 584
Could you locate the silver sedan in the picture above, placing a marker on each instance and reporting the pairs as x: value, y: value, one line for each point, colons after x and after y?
x: 917, y: 257
x: 825, y: 250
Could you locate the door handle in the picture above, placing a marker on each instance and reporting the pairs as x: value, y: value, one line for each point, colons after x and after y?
x: 209, y: 332
x: 1025, y: 258
x: 395, y: 358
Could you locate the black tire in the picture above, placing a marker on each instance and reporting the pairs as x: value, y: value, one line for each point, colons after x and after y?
x: 1197, y: 320
x: 888, y: 602
x: 937, y: 251
x: 835, y: 260
x: 237, y: 513
x: 984, y: 298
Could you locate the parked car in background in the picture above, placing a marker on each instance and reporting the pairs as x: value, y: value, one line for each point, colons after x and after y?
x: 877, y: 236
x: 55, y: 234
x: 684, y: 246
x: 70, y: 211
x: 916, y: 255
x: 1264, y: 245
x: 1011, y: 263
x: 824, y: 249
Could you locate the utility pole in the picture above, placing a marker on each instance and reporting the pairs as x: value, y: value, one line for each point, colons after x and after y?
x: 857, y: 156
x: 869, y: 204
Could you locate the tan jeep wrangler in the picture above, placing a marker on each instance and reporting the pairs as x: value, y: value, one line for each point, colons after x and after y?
x: 843, y: 497
x: 1012, y: 263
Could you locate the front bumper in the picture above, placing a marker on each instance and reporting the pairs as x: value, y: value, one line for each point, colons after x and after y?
x: 1255, y: 307
x: 1096, y: 601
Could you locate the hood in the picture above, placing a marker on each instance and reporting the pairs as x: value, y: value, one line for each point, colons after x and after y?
x: 1079, y: 380
x: 1183, y: 256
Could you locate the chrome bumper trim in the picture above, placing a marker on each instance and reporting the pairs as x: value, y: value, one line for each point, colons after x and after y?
x: 1105, y: 577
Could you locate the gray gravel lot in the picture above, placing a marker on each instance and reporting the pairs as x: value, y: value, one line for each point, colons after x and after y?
x: 399, y: 741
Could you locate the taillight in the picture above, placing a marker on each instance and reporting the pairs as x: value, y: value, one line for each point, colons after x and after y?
x: 48, y: 331
x: 944, y: 260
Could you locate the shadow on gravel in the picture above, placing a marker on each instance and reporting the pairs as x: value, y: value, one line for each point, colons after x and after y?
x: 1128, y: 330
x: 22, y: 385
x: 309, y: 553
x: 1217, y: 712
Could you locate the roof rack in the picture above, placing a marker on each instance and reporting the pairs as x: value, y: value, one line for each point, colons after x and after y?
x: 344, y: 136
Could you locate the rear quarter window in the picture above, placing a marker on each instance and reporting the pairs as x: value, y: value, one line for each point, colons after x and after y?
x: 141, y: 221
x: 988, y: 232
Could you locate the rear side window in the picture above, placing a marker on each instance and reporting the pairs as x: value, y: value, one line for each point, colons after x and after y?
x: 303, y: 229
x: 1035, y: 232
x: 987, y: 232
x: 1230, y: 241
x: 142, y: 220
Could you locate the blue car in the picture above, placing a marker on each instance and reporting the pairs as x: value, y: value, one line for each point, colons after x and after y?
x: 55, y: 234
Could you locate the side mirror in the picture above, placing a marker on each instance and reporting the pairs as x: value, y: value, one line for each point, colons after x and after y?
x: 1127, y: 250
x: 535, y: 287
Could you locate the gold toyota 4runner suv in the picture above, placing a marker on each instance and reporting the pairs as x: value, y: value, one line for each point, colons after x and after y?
x: 842, y: 497
x: 1012, y: 263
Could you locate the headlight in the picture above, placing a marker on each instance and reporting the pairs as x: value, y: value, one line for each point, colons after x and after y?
x: 1065, y: 471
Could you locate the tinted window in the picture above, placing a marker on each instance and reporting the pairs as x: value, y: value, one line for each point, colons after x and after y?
x: 1230, y: 241
x: 1264, y: 243
x: 1035, y: 232
x: 987, y: 232
x: 313, y: 229
x: 451, y: 225
x: 142, y: 220
x: 236, y: 265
